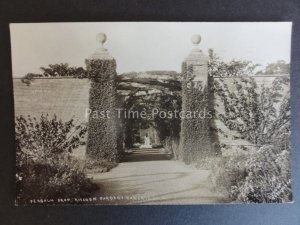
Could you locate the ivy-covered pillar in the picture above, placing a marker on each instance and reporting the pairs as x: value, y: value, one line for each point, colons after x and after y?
x: 102, y: 141
x: 195, y: 132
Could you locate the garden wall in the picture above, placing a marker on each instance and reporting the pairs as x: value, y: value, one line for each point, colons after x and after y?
x: 66, y: 97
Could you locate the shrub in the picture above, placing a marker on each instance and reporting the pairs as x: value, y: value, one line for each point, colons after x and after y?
x: 262, y: 177
x: 44, y: 166
x: 227, y: 171
x: 268, y: 178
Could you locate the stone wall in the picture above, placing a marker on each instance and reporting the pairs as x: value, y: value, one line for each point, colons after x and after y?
x: 65, y: 97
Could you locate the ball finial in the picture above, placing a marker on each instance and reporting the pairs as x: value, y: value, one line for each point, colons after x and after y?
x: 101, y: 38
x: 101, y: 53
x: 196, y: 38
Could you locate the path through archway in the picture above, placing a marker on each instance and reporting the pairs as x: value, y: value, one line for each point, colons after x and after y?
x: 146, y: 99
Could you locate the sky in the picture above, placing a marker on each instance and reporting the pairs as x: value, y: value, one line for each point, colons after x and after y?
x: 144, y: 46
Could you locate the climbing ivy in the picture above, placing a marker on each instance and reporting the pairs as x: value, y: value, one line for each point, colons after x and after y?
x: 195, y: 140
x: 102, y: 142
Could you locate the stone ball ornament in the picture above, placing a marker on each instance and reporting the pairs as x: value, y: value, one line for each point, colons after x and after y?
x: 101, y: 52
x: 101, y: 38
x: 196, y: 39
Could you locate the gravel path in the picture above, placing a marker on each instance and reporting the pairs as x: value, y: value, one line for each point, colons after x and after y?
x: 155, y: 181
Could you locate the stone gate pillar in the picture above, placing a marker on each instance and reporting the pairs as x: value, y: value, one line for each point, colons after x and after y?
x: 102, y: 126
x: 195, y: 132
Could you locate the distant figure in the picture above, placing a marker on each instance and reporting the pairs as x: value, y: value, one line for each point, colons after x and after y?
x: 147, y: 143
x: 147, y: 140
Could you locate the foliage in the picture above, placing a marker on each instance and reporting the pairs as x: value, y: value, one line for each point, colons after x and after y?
x: 164, y: 101
x: 257, y: 113
x: 28, y: 78
x: 56, y: 70
x: 167, y: 127
x: 63, y: 70
x: 195, y: 138
x: 261, y: 115
x: 253, y: 112
x: 163, y: 96
x: 234, y: 68
x: 102, y: 142
x: 45, y: 168
x: 47, y: 136
x: 261, y: 177
x: 279, y: 67
x: 267, y: 177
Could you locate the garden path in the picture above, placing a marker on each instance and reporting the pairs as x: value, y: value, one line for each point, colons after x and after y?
x: 148, y: 177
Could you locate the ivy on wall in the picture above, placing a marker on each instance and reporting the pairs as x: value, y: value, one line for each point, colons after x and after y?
x: 195, y: 132
x: 102, y: 142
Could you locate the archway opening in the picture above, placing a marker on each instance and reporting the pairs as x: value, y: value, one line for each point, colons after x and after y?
x: 149, y: 105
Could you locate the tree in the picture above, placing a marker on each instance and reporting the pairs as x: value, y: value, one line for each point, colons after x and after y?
x: 279, y: 67
x: 234, y: 68
x: 63, y: 70
x: 252, y: 113
x: 56, y: 70
x: 261, y: 115
x: 249, y: 109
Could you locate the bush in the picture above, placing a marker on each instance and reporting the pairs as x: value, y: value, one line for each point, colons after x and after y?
x: 268, y: 178
x: 44, y: 167
x: 262, y: 177
x: 227, y: 171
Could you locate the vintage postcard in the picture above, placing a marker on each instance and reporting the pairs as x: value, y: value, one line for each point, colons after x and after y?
x: 152, y: 112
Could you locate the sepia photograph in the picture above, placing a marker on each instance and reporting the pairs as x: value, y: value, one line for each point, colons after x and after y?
x: 152, y: 113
